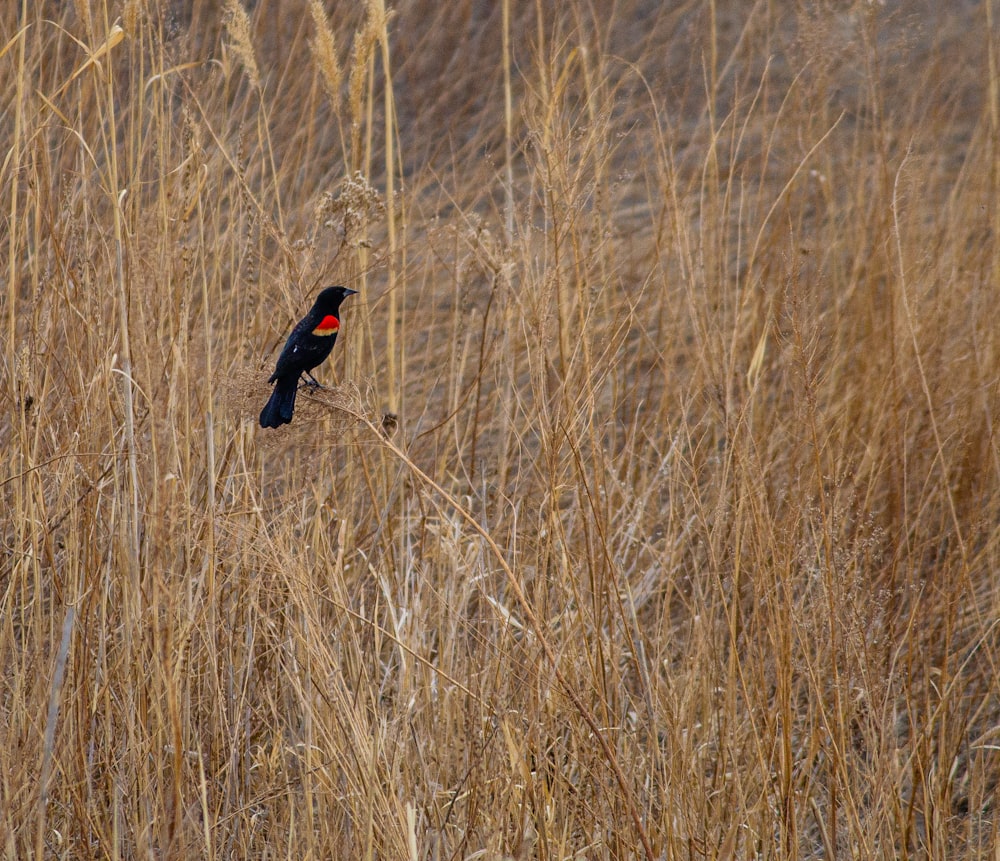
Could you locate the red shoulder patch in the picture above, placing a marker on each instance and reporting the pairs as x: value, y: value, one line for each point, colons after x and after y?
x: 329, y: 325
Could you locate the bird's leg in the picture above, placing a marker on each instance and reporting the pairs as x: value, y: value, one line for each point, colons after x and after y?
x: 312, y: 382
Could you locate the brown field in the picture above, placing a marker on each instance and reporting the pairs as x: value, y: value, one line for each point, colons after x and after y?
x: 651, y: 508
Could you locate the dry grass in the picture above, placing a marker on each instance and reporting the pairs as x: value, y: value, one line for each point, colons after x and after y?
x: 654, y: 511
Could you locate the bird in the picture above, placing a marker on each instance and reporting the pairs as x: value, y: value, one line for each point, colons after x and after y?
x: 310, y: 343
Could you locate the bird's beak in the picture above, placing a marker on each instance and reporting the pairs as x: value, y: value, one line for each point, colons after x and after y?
x: 349, y: 292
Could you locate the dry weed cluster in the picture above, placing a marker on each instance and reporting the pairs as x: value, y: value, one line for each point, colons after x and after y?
x: 651, y: 510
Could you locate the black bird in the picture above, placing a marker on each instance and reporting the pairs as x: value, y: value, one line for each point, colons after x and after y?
x: 310, y: 343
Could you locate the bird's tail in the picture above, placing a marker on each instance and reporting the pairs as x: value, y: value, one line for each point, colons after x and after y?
x: 280, y: 406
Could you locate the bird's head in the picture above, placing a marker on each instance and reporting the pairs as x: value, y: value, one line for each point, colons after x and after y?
x: 329, y: 299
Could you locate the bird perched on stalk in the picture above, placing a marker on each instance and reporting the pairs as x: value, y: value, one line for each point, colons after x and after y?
x: 310, y: 343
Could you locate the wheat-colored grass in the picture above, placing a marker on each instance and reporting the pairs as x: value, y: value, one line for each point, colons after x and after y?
x: 651, y: 507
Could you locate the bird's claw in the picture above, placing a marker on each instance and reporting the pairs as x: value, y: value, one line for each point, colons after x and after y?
x: 312, y: 382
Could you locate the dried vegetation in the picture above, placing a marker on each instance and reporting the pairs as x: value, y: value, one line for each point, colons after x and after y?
x: 651, y: 511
